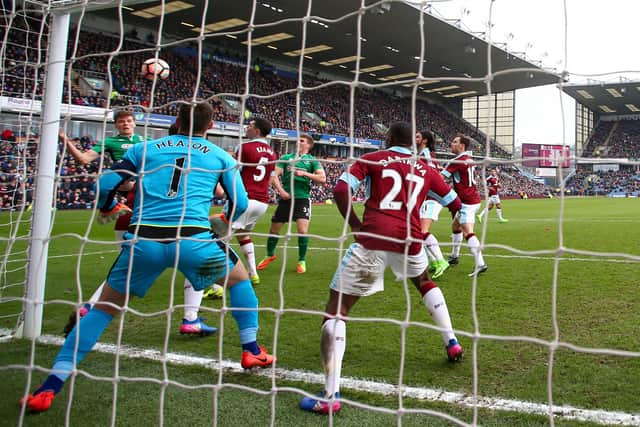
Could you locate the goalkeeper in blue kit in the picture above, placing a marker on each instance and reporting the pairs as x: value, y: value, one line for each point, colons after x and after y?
x: 170, y: 226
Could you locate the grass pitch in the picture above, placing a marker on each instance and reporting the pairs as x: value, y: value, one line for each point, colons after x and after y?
x: 557, y: 273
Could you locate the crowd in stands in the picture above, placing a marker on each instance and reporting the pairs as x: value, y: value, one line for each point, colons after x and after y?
x: 513, y: 184
x: 598, y: 139
x: 18, y: 156
x: 625, y: 140
x: 623, y: 182
x: 614, y: 139
x: 75, y: 185
x: 276, y: 96
x: 17, y: 164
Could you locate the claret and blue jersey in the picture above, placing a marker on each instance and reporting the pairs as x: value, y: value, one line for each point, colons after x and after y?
x: 397, y: 185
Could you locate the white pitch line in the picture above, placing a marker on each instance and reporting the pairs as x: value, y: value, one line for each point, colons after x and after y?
x: 486, y: 255
x: 491, y: 403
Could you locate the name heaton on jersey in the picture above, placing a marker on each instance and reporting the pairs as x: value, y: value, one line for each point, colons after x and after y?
x: 194, y: 145
x: 418, y: 167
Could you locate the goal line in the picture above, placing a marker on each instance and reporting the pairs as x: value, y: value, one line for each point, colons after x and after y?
x: 565, y: 412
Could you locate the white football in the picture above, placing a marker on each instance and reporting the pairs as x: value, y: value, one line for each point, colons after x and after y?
x: 155, y: 67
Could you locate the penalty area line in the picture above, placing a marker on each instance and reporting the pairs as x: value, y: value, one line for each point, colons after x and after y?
x: 456, y: 398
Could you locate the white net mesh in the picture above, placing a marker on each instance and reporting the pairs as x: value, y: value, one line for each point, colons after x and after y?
x: 548, y: 330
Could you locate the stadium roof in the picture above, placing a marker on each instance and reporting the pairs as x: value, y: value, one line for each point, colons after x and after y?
x: 607, y: 98
x: 390, y: 47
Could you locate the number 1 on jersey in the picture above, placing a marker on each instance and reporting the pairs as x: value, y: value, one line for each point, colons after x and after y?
x: 175, y: 177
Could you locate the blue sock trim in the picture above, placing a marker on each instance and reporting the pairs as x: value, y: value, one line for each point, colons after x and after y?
x: 248, y: 335
x: 252, y: 347
x: 53, y: 383
x: 62, y: 369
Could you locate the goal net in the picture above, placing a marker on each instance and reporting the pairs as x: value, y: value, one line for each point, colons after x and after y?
x: 548, y: 330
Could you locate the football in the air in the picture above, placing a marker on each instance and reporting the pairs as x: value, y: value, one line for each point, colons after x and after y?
x: 155, y: 67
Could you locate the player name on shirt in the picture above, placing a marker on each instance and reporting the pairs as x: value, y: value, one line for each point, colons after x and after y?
x: 264, y: 150
x: 203, y: 148
x: 418, y: 167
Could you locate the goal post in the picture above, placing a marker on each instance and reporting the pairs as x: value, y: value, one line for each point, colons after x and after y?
x: 45, y: 180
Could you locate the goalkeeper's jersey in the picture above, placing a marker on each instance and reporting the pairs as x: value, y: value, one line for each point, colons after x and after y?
x: 176, y: 180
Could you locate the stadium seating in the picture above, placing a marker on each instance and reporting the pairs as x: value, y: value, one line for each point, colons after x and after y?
x: 619, y: 139
x: 330, y: 103
x: 620, y: 183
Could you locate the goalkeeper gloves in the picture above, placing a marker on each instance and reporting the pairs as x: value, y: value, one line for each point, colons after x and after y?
x: 112, y: 213
x: 219, y: 224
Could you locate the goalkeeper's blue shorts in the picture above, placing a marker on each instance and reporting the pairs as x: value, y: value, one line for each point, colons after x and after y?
x: 201, y: 259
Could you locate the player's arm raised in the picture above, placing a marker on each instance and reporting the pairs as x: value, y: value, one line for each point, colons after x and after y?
x: 82, y: 157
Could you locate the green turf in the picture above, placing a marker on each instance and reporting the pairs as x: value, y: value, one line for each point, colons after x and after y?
x: 596, y: 307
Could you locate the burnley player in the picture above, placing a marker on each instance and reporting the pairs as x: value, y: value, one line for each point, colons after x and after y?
x: 461, y: 170
x: 388, y: 236
x: 171, y: 231
x: 426, y: 146
x: 493, y: 186
x: 258, y: 162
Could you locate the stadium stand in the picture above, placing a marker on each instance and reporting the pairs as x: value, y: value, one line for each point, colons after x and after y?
x: 330, y: 103
x: 222, y: 73
x: 622, y: 141
x: 621, y: 183
x: 611, y: 139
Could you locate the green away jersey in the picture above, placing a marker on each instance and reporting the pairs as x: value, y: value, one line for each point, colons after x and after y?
x: 116, y: 146
x: 301, y: 184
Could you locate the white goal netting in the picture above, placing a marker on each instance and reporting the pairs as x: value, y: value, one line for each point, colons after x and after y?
x: 549, y: 330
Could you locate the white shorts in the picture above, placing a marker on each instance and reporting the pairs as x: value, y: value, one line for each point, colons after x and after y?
x: 494, y: 200
x: 250, y: 217
x: 361, y: 272
x: 467, y: 214
x: 430, y: 210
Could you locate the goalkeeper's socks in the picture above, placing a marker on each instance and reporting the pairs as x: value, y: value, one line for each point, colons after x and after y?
x: 52, y: 383
x: 91, y: 328
x: 252, y: 347
x: 243, y: 296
